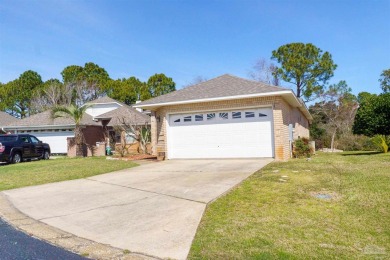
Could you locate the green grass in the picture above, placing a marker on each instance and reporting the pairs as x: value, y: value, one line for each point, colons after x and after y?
x: 266, y: 218
x: 39, y: 172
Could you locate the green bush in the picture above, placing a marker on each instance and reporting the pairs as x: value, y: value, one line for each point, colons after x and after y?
x: 301, y: 148
x: 382, y: 142
x: 351, y: 142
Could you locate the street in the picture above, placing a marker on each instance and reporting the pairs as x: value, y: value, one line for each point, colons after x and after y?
x: 15, y: 245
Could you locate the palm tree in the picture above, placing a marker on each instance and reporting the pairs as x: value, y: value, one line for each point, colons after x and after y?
x: 75, y: 113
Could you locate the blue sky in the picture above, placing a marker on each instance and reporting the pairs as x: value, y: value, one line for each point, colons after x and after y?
x: 186, y: 39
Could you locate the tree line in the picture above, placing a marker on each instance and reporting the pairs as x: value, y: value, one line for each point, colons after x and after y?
x: 340, y: 118
x: 28, y: 94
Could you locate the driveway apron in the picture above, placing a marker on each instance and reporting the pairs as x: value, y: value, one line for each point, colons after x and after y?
x: 153, y: 209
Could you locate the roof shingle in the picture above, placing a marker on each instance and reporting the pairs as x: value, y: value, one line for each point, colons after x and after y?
x: 222, y: 86
x: 6, y: 119
x: 45, y: 119
x: 129, y: 114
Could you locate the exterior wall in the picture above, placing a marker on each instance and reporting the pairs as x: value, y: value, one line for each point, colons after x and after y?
x: 300, y: 122
x: 282, y: 117
x: 94, y: 140
x: 99, y: 109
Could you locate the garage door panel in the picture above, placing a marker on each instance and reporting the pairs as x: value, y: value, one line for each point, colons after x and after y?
x: 231, y: 138
x: 57, y: 140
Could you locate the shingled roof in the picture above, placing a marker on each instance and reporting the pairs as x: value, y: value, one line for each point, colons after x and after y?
x: 46, y: 119
x: 129, y: 114
x: 222, y: 86
x: 104, y: 100
x: 6, y: 119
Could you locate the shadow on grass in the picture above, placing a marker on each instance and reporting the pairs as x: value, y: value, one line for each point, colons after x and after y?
x: 360, y: 153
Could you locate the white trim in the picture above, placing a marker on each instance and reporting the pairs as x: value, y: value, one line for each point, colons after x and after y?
x: 217, y: 99
x: 231, y: 108
x: 170, y: 113
x: 289, y: 95
x: 92, y: 104
x: 39, y: 127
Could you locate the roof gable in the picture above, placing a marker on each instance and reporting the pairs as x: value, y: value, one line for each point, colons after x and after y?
x: 127, y: 113
x: 104, y: 100
x: 222, y: 86
x: 225, y: 87
x: 6, y: 119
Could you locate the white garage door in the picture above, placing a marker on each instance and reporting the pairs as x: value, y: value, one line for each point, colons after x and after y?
x: 56, y: 140
x: 221, y: 134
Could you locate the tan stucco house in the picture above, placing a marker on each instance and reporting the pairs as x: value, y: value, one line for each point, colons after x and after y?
x: 227, y: 117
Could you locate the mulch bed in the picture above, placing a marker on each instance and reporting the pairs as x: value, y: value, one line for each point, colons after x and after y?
x: 136, y: 157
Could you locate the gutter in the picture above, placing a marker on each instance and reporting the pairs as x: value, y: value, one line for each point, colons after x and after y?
x: 289, y: 93
x: 213, y: 99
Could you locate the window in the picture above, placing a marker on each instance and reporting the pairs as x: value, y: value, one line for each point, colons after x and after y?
x: 262, y: 115
x: 199, y: 117
x: 24, y: 139
x: 187, y: 119
x: 249, y: 114
x: 236, y: 114
x: 7, y: 138
x: 210, y: 116
x: 223, y: 115
x: 177, y: 121
x: 34, y: 140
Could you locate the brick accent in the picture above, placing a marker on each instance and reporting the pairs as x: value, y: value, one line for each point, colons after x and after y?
x: 283, y: 115
x: 92, y: 136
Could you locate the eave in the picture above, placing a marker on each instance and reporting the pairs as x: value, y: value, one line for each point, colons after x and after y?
x: 288, y: 95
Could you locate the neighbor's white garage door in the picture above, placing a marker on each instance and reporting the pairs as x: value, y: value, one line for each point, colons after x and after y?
x: 221, y: 134
x: 56, y: 140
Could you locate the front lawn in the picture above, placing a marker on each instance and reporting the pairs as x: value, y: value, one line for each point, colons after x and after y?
x: 40, y: 172
x: 332, y: 206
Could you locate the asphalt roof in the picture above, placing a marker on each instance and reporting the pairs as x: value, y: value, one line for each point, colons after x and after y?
x: 45, y: 119
x: 222, y: 86
x: 6, y: 119
x: 104, y: 100
x: 126, y: 113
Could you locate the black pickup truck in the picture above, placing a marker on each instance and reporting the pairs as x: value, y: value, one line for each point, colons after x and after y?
x: 16, y: 148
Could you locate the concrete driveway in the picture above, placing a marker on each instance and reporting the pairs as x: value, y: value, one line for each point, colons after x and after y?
x: 153, y: 209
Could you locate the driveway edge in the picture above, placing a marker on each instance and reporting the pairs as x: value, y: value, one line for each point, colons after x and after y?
x: 60, y: 238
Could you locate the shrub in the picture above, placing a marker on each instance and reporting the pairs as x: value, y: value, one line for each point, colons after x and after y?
x: 351, y: 142
x: 381, y: 142
x: 301, y: 148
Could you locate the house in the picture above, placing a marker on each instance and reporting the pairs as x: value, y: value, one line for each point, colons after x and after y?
x: 58, y: 132
x: 227, y: 117
x: 5, y: 119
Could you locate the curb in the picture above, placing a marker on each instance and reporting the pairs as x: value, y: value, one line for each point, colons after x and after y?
x: 59, y: 238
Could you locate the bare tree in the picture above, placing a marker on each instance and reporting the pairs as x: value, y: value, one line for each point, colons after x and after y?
x: 263, y: 71
x: 139, y: 132
x: 339, y: 107
x: 53, y: 94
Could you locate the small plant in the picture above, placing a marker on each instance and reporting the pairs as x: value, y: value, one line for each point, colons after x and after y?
x: 301, y: 148
x: 381, y: 142
x: 126, y: 252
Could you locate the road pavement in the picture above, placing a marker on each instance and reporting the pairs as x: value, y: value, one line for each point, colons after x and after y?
x: 15, y: 245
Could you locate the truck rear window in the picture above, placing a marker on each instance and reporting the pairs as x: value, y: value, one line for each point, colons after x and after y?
x: 5, y: 138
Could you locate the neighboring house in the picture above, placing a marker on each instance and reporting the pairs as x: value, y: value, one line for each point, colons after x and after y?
x: 227, y: 117
x: 59, y: 131
x: 5, y: 119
